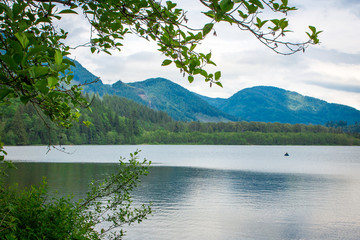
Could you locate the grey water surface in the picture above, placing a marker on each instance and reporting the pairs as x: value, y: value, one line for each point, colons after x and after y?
x: 218, y: 192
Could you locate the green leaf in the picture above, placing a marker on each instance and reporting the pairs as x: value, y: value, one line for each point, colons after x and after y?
x: 257, y: 3
x: 25, y: 99
x: 4, y: 92
x: 260, y: 23
x: 43, y: 19
x: 217, y: 75
x: 208, y: 56
x: 9, y: 61
x: 52, y: 81
x: 191, y: 79
x: 283, y: 23
x: 226, y: 5
x: 210, y: 14
x: 87, y: 123
x: 219, y: 84
x: 42, y: 86
x: 24, y: 41
x: 68, y: 11
x: 170, y: 4
x: 243, y: 15
x: 207, y: 28
x: 284, y: 2
x: 36, y: 50
x: 58, y: 57
x: 252, y: 8
x: 313, y: 29
x: 166, y: 62
x: 40, y: 71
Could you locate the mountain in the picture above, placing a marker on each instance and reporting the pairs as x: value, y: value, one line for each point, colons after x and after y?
x: 178, y: 102
x: 83, y: 76
x: 156, y: 93
x: 163, y: 95
x: 262, y: 103
x: 271, y: 104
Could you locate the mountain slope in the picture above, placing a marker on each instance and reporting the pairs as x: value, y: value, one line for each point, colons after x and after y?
x: 271, y: 104
x: 178, y: 102
x: 83, y: 76
x: 156, y: 93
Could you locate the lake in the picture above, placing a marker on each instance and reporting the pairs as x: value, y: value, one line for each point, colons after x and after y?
x: 219, y: 192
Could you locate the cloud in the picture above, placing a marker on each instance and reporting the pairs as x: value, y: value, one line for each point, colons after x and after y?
x: 334, y: 56
x: 352, y: 5
x: 337, y: 86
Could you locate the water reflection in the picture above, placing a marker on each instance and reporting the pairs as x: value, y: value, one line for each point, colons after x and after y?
x: 218, y: 204
x: 199, y: 203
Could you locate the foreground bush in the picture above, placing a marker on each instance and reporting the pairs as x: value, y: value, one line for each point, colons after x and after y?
x: 33, y: 214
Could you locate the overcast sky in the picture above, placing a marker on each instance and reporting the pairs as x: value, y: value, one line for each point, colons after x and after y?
x: 329, y: 71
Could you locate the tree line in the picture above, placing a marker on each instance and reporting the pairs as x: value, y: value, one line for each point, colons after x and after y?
x: 116, y: 120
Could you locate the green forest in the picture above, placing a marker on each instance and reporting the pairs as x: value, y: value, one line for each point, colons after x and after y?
x: 115, y: 120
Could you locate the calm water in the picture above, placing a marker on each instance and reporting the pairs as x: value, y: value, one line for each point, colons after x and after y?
x: 220, y: 192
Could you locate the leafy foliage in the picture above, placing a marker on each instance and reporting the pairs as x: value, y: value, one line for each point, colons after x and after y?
x: 32, y: 67
x: 247, y: 16
x: 31, y: 214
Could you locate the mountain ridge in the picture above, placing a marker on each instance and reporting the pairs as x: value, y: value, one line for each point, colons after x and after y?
x: 272, y: 104
x: 260, y: 103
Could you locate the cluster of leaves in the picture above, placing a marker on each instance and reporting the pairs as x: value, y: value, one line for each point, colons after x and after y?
x: 115, y: 191
x: 246, y: 14
x: 32, y: 67
x: 163, y: 23
x: 32, y: 214
x: 27, y: 214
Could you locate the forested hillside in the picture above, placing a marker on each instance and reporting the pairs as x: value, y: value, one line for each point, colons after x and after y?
x: 113, y: 120
x: 179, y: 102
x: 271, y: 104
x: 116, y: 120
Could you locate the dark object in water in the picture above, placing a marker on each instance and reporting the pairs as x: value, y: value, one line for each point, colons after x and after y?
x: 286, y: 154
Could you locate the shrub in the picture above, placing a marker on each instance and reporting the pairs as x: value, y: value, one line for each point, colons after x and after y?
x: 33, y: 214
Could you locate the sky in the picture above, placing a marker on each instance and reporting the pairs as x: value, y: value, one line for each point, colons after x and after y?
x: 329, y: 71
